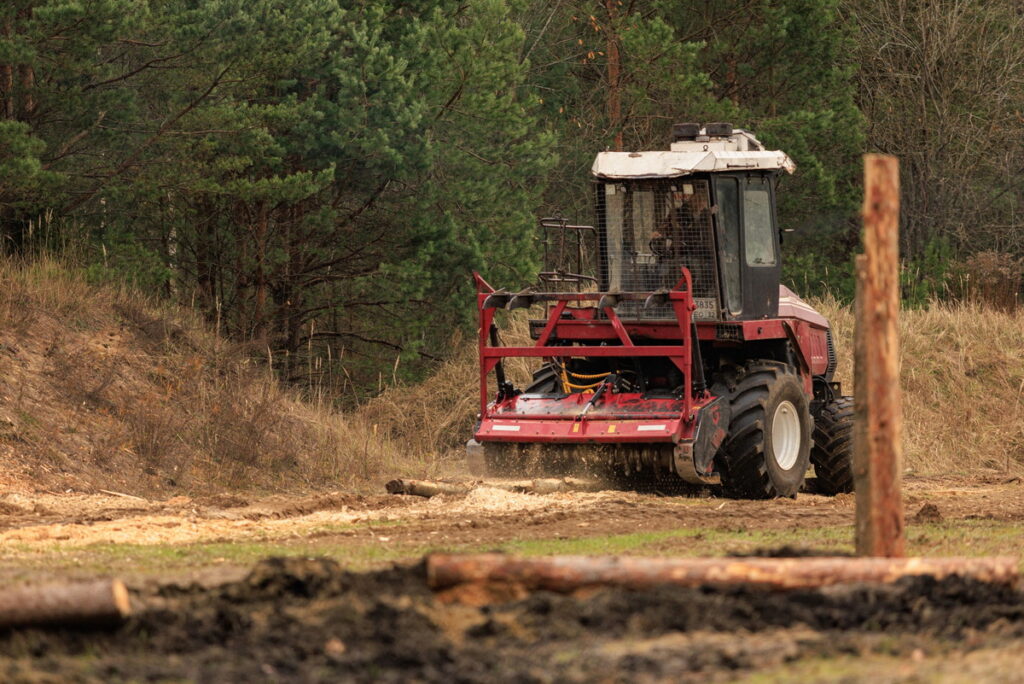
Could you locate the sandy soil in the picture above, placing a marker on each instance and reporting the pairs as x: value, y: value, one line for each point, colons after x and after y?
x: 485, y: 513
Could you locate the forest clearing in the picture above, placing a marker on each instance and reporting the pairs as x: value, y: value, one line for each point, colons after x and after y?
x: 189, y: 527
x: 474, y: 341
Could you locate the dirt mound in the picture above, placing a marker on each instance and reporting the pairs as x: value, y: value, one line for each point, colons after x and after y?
x: 928, y: 513
x: 11, y: 509
x: 334, y: 501
x: 223, y: 500
x: 789, y: 552
x: 308, y: 620
x: 108, y: 389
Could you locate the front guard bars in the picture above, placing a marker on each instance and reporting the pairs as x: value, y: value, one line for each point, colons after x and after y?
x: 679, y: 297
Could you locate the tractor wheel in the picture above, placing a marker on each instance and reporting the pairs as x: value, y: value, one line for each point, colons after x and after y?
x: 832, y: 453
x: 546, y: 380
x: 767, y: 451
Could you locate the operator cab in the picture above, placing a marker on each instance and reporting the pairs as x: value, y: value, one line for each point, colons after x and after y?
x: 708, y: 204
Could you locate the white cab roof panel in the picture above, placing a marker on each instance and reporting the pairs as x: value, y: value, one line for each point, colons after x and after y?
x: 671, y: 164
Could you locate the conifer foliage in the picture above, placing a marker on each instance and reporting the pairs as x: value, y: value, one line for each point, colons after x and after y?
x: 320, y: 177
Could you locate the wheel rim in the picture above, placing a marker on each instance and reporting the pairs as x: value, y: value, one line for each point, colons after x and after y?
x: 786, y: 435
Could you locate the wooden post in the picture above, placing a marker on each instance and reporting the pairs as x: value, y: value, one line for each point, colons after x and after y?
x: 861, y: 483
x: 878, y: 451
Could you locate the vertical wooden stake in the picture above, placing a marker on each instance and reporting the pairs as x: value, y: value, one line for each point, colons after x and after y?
x: 861, y: 482
x: 878, y: 450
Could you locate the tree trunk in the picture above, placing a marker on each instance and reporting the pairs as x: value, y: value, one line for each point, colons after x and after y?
x: 259, y: 316
x: 28, y: 84
x: 205, y: 267
x: 614, y: 73
x: 7, y: 78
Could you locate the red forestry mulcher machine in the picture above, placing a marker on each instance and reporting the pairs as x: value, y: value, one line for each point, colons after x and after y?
x: 670, y: 352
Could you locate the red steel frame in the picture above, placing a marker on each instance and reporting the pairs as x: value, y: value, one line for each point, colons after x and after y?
x: 680, y: 353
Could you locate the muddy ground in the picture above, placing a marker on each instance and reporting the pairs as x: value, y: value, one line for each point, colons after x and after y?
x: 345, y: 597
x: 309, y: 620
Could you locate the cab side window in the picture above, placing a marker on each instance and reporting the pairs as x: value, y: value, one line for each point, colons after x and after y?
x: 758, y: 231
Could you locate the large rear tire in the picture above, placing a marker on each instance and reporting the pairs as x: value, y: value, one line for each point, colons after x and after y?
x: 767, y: 451
x: 832, y: 454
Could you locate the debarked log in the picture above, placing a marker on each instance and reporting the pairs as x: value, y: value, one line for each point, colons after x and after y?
x: 92, y: 603
x: 424, y: 488
x: 569, y: 573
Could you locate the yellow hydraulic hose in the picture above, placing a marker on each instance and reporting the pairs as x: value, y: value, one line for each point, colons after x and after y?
x: 582, y: 387
x: 581, y: 376
x: 566, y: 385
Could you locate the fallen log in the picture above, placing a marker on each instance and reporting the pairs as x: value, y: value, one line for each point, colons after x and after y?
x: 424, y: 488
x: 94, y: 603
x: 427, y: 488
x: 570, y: 573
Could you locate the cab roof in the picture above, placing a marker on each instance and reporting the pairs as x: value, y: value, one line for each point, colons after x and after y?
x: 737, y: 151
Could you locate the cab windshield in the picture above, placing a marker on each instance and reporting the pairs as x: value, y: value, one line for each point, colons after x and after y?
x: 654, y: 228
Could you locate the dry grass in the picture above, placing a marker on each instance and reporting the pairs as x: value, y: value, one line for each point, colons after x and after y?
x: 105, y: 389
x: 431, y: 421
x: 963, y: 384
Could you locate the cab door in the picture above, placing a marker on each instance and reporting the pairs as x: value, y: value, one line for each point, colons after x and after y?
x: 762, y: 267
x: 748, y: 245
